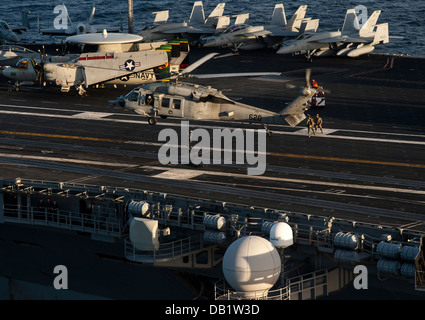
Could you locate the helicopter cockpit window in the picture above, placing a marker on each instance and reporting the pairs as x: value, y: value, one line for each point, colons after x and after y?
x: 165, y: 102
x: 177, y: 104
x: 132, y: 96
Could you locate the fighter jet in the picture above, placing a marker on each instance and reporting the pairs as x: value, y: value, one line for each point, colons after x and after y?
x: 192, y: 30
x: 6, y: 33
x: 352, y: 41
x: 70, y: 28
x: 248, y: 37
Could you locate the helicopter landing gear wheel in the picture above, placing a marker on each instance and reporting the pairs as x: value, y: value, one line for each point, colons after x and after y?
x: 152, y: 121
x: 81, y: 91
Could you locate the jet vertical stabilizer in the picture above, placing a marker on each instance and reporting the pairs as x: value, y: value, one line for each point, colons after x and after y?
x: 197, y: 15
x: 92, y: 15
x: 294, y: 24
x: 216, y: 13
x: 367, y: 29
x: 351, y: 23
x: 278, y: 16
x: 161, y: 17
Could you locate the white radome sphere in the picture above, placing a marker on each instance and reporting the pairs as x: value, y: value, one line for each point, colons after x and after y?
x: 251, y: 265
x: 281, y: 235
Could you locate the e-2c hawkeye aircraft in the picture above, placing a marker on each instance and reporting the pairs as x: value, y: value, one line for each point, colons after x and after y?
x: 351, y: 41
x: 118, y: 58
x: 192, y: 101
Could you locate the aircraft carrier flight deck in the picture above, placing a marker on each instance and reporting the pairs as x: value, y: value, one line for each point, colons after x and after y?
x: 368, y: 165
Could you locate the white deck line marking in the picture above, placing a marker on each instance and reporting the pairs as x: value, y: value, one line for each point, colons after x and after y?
x: 168, y: 124
x: 79, y: 161
x: 180, y: 174
x: 91, y: 115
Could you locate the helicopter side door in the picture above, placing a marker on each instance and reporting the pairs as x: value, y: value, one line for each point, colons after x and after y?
x: 170, y: 106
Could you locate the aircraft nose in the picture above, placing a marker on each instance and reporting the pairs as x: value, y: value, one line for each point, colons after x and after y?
x: 14, y: 38
x: 285, y: 50
x: 6, y: 72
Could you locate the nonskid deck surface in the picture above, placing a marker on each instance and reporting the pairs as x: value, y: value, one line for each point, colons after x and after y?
x: 368, y: 165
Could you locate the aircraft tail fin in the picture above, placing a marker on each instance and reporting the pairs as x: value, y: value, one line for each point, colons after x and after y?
x: 294, y: 111
x: 197, y: 15
x: 368, y: 27
x: 222, y: 23
x: 278, y: 16
x: 161, y: 16
x: 92, y: 15
x: 218, y: 11
x: 351, y: 23
x: 309, y: 26
x: 25, y: 21
x: 381, y: 34
x: 215, y: 14
x: 241, y: 18
x: 294, y: 24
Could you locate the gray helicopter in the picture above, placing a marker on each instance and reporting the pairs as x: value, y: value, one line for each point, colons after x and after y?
x: 195, y: 102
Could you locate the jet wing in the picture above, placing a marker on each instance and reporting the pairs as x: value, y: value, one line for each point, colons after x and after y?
x: 55, y: 32
x: 261, y: 33
x: 190, y: 29
x: 284, y: 33
x: 345, y: 39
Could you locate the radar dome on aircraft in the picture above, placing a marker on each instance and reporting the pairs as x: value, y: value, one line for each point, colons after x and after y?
x: 281, y: 235
x: 251, y: 265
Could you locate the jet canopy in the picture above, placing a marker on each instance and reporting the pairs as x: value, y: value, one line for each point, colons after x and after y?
x: 17, y: 49
x: 4, y: 26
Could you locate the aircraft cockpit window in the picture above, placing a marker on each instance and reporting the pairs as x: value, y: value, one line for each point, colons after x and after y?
x: 165, y: 102
x: 132, y: 96
x: 4, y: 26
x: 22, y: 64
x: 177, y: 104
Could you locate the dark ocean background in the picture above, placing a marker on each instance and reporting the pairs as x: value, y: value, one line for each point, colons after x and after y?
x: 405, y: 18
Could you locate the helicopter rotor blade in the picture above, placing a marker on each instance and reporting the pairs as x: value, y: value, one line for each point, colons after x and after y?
x: 236, y: 74
x: 198, y: 63
x: 307, y: 76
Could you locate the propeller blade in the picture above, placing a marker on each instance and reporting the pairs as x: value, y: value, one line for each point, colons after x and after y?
x: 198, y: 63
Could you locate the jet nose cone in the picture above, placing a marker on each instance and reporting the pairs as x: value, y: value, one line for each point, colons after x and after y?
x: 13, y: 37
x: 285, y: 50
x: 209, y: 44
